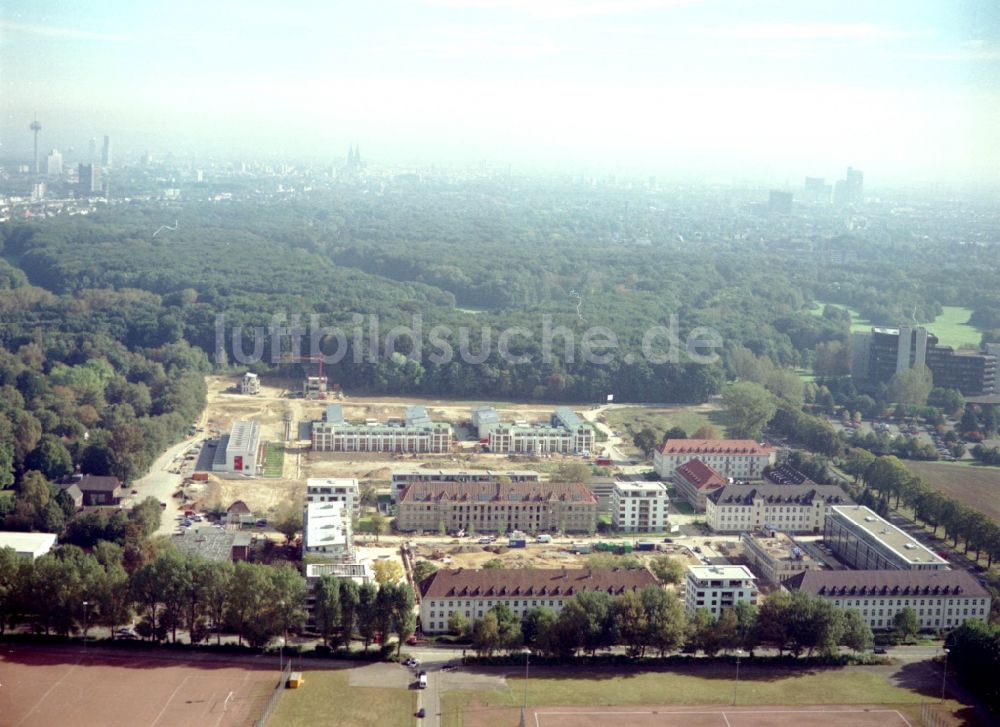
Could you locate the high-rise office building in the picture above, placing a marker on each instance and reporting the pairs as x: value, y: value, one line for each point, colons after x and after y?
x: 851, y: 189
x: 106, y: 152
x: 54, y: 164
x: 90, y: 180
x: 816, y: 191
x: 92, y: 150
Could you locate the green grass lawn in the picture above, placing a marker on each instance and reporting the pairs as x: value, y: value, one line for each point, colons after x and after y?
x: 274, y: 460
x: 326, y: 698
x: 629, y: 420
x: 951, y: 327
x: 707, y: 684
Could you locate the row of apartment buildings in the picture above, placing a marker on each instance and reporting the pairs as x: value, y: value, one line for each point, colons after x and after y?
x: 415, y: 433
x: 492, y: 501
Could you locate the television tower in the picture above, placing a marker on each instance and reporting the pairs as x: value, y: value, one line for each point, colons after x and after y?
x: 36, y: 127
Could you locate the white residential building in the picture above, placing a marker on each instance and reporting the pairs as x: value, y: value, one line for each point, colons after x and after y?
x: 250, y: 383
x: 474, y: 592
x: 237, y: 451
x: 27, y: 545
x: 741, y: 459
x: 566, y: 433
x: 787, y: 508
x: 335, y: 489
x: 416, y: 434
x: 865, y: 541
x: 942, y: 599
x: 484, y: 418
x: 326, y: 531
x: 639, y: 507
x: 718, y: 587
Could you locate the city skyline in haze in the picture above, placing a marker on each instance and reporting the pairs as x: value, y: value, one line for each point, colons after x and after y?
x: 676, y: 88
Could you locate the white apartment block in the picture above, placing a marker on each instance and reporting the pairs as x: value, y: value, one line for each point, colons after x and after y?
x: 335, y: 489
x: 416, y: 434
x: 786, y: 508
x: 566, y: 433
x: 741, y: 459
x: 639, y: 507
x: 718, y: 587
x: 326, y: 531
x: 474, y: 592
x: 250, y: 384
x: 942, y: 599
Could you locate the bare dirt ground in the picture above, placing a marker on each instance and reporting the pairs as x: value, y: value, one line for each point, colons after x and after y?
x: 466, y: 554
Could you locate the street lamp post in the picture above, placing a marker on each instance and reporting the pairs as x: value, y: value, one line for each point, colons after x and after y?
x: 85, y: 604
x: 944, y: 674
x: 739, y: 653
x: 281, y: 644
x: 524, y: 705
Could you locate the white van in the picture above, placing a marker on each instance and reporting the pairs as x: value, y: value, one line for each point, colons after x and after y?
x: 544, y: 538
x: 423, y: 681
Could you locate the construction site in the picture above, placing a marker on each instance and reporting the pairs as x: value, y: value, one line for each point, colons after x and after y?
x: 283, y: 412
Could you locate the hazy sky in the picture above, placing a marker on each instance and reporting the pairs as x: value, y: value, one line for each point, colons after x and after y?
x: 769, y: 88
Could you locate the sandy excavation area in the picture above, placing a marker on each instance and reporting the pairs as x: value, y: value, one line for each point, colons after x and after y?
x: 550, y: 555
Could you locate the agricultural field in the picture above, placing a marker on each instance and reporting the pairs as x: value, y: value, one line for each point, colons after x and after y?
x: 708, y: 684
x: 975, y: 485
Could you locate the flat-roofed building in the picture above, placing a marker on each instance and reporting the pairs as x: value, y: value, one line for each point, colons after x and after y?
x: 402, y: 478
x: 776, y: 556
x: 741, y: 459
x: 718, y: 587
x: 789, y: 508
x: 474, y: 592
x: 483, y: 419
x: 335, y: 489
x: 639, y: 507
x: 215, y: 544
x: 865, y: 541
x: 415, y: 434
x: 27, y: 545
x: 942, y: 599
x: 359, y: 573
x: 326, y: 531
x: 566, y: 433
x: 695, y: 480
x: 237, y: 451
x: 494, y: 507
x: 603, y: 489
x: 250, y: 383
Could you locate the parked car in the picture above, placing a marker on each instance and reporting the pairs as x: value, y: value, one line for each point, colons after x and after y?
x: 421, y: 713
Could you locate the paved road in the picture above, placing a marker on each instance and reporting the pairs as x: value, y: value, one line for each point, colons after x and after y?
x: 161, y: 484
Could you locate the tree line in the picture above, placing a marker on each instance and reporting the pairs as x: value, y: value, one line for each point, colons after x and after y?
x: 883, y: 478
x: 652, y: 620
x: 62, y: 591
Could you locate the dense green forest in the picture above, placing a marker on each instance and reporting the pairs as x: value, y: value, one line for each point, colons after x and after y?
x: 108, y: 329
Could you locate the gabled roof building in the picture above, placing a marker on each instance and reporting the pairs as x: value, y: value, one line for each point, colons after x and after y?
x: 474, y: 592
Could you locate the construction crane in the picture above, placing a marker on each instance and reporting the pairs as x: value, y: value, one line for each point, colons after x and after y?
x: 314, y: 387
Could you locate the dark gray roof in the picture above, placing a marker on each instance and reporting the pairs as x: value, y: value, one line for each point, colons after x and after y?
x: 886, y: 582
x: 799, y: 494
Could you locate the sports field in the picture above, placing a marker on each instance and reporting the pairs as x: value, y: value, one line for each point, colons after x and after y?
x: 274, y: 460
x: 826, y: 716
x: 45, y: 686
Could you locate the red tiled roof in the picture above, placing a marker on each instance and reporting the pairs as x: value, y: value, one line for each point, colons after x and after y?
x: 532, y: 582
x: 497, y: 492
x: 700, y: 475
x: 715, y: 446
